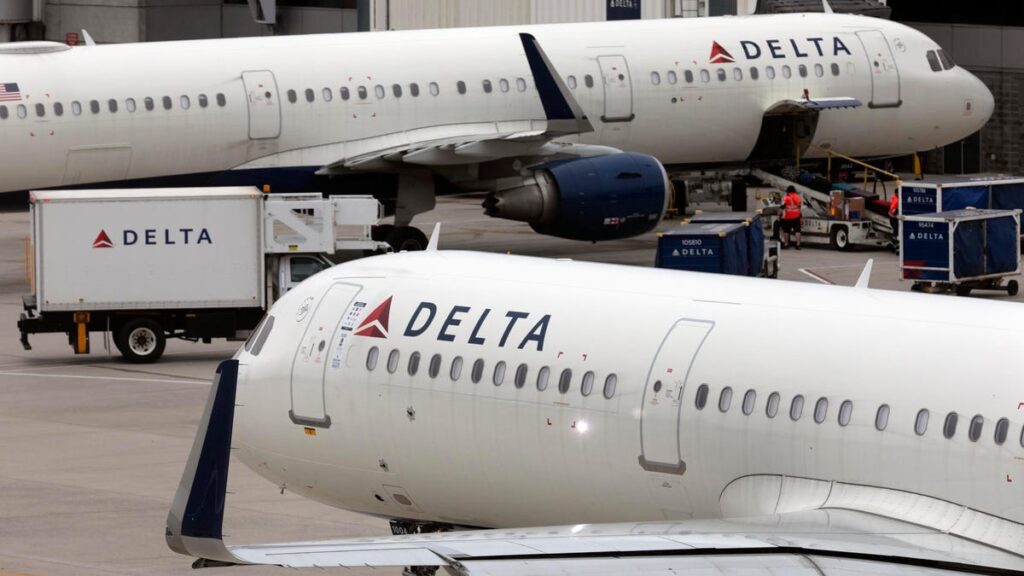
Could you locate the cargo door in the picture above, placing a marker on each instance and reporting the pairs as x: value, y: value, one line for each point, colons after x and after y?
x: 264, y: 107
x: 618, y: 89
x: 322, y: 344
x: 885, y: 77
x: 659, y: 417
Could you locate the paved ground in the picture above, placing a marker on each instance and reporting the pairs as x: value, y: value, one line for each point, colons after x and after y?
x: 91, y: 449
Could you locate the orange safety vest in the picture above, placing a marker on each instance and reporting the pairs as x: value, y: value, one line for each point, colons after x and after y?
x: 791, y: 204
x: 894, y: 205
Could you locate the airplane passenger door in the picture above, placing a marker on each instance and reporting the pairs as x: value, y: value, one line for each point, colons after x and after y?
x: 319, y: 352
x: 618, y: 89
x: 264, y: 108
x: 659, y: 416
x: 885, y: 77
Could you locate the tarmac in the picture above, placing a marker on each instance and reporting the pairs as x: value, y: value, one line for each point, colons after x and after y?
x: 92, y: 448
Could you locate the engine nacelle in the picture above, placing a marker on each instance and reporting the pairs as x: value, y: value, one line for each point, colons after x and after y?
x: 599, y: 198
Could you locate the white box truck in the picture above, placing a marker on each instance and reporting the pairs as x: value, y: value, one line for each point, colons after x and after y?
x: 197, y: 264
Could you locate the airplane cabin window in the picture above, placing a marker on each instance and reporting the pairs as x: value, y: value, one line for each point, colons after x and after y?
x: 609, y: 386
x: 310, y: 95
x: 326, y: 94
x: 487, y: 86
x: 460, y: 86
x: 414, y: 363
x: 947, y: 62
x: 521, y: 84
x: 456, y: 370
x: 542, y: 378
x: 4, y: 113
x: 371, y: 358
x: 976, y: 428
x: 819, y: 70
x: 725, y: 399
x: 434, y: 89
x: 1002, y: 431
x: 705, y: 76
x: 186, y: 103
x: 700, y: 400
x: 40, y: 110
x: 129, y: 104
x: 769, y: 71
x: 821, y: 410
x: 477, y: 373
x: 803, y: 71
x: 94, y: 107
x: 588, y: 384
x: 414, y: 89
x: 921, y: 422
x: 521, y: 372
x: 148, y: 103
x: 261, y: 337
x: 835, y: 69
x: 655, y: 78
x: 396, y: 89
x: 344, y: 93
x: 737, y: 74
x: 671, y: 77
x: 588, y: 81
x: 499, y: 373
x: 292, y: 96
x: 23, y: 111
x: 688, y: 76
x: 571, y: 82
x: 76, y: 108
x: 949, y: 428
x: 203, y: 101
x: 882, y: 418
x: 434, y: 368
x: 378, y: 91
x: 754, y: 73
x: 361, y: 91
x: 394, y: 357
x: 222, y: 101
x: 771, y: 409
x: 786, y: 72
x: 721, y: 74
x: 796, y: 409
x: 749, y: 399
x: 565, y: 381
x: 503, y: 84
x: 845, y: 412
x: 112, y: 105
x: 167, y: 102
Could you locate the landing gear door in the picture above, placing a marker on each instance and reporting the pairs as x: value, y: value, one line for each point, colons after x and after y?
x: 666, y: 381
x: 885, y: 77
x: 618, y: 89
x: 264, y: 106
x: 319, y: 352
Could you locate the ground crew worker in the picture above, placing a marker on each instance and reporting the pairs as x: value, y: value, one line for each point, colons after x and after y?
x: 791, y: 222
x: 894, y: 221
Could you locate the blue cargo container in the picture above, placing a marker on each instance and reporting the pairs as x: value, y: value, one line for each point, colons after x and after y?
x: 957, y: 193
x: 753, y: 233
x: 704, y: 247
x: 964, y: 249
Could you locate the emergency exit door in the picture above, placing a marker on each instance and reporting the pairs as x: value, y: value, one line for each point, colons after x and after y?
x: 618, y: 89
x: 666, y: 381
x: 885, y: 77
x: 264, y: 107
x: 321, y: 345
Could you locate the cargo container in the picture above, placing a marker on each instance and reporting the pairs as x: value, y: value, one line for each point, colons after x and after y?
x: 719, y: 248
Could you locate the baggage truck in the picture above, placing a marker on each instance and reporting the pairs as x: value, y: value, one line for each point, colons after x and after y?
x: 142, y: 266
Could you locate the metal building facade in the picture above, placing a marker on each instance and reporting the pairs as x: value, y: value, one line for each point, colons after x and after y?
x: 415, y: 14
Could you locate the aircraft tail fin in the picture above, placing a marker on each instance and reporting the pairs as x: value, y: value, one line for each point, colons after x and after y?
x: 564, y: 114
x: 196, y: 518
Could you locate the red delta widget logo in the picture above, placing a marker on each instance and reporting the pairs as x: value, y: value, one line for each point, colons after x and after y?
x: 155, y: 237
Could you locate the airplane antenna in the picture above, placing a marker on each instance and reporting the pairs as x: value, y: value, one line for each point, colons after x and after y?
x: 87, y: 38
x: 434, y: 237
x: 865, y: 275
x: 826, y: 7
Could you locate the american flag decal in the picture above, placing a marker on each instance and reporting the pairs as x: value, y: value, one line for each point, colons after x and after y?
x: 9, y: 92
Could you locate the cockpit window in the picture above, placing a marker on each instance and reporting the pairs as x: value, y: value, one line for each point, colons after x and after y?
x: 304, y: 267
x: 255, y: 343
x: 947, y: 62
x: 933, y: 61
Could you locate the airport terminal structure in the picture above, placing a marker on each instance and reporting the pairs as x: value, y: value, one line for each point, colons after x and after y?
x: 511, y: 287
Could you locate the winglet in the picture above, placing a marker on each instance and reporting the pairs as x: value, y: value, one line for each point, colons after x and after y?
x: 87, y: 38
x: 865, y: 275
x: 196, y: 518
x: 435, y: 237
x: 564, y: 114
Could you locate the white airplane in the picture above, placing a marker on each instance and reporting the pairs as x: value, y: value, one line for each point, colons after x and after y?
x: 590, y: 418
x: 534, y: 115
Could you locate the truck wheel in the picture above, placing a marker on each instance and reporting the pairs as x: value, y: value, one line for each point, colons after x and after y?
x: 380, y: 232
x: 963, y: 290
x: 840, y: 239
x: 1012, y: 287
x: 407, y: 238
x: 141, y: 341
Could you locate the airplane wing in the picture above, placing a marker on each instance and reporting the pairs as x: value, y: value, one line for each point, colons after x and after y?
x: 836, y: 530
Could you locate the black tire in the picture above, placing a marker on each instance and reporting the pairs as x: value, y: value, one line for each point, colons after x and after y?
x: 738, y: 196
x: 840, y: 238
x: 1012, y: 287
x: 380, y: 232
x: 141, y: 341
x: 963, y: 290
x: 407, y: 238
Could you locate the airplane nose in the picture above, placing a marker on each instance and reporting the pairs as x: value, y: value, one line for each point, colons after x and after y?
x: 984, y: 102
